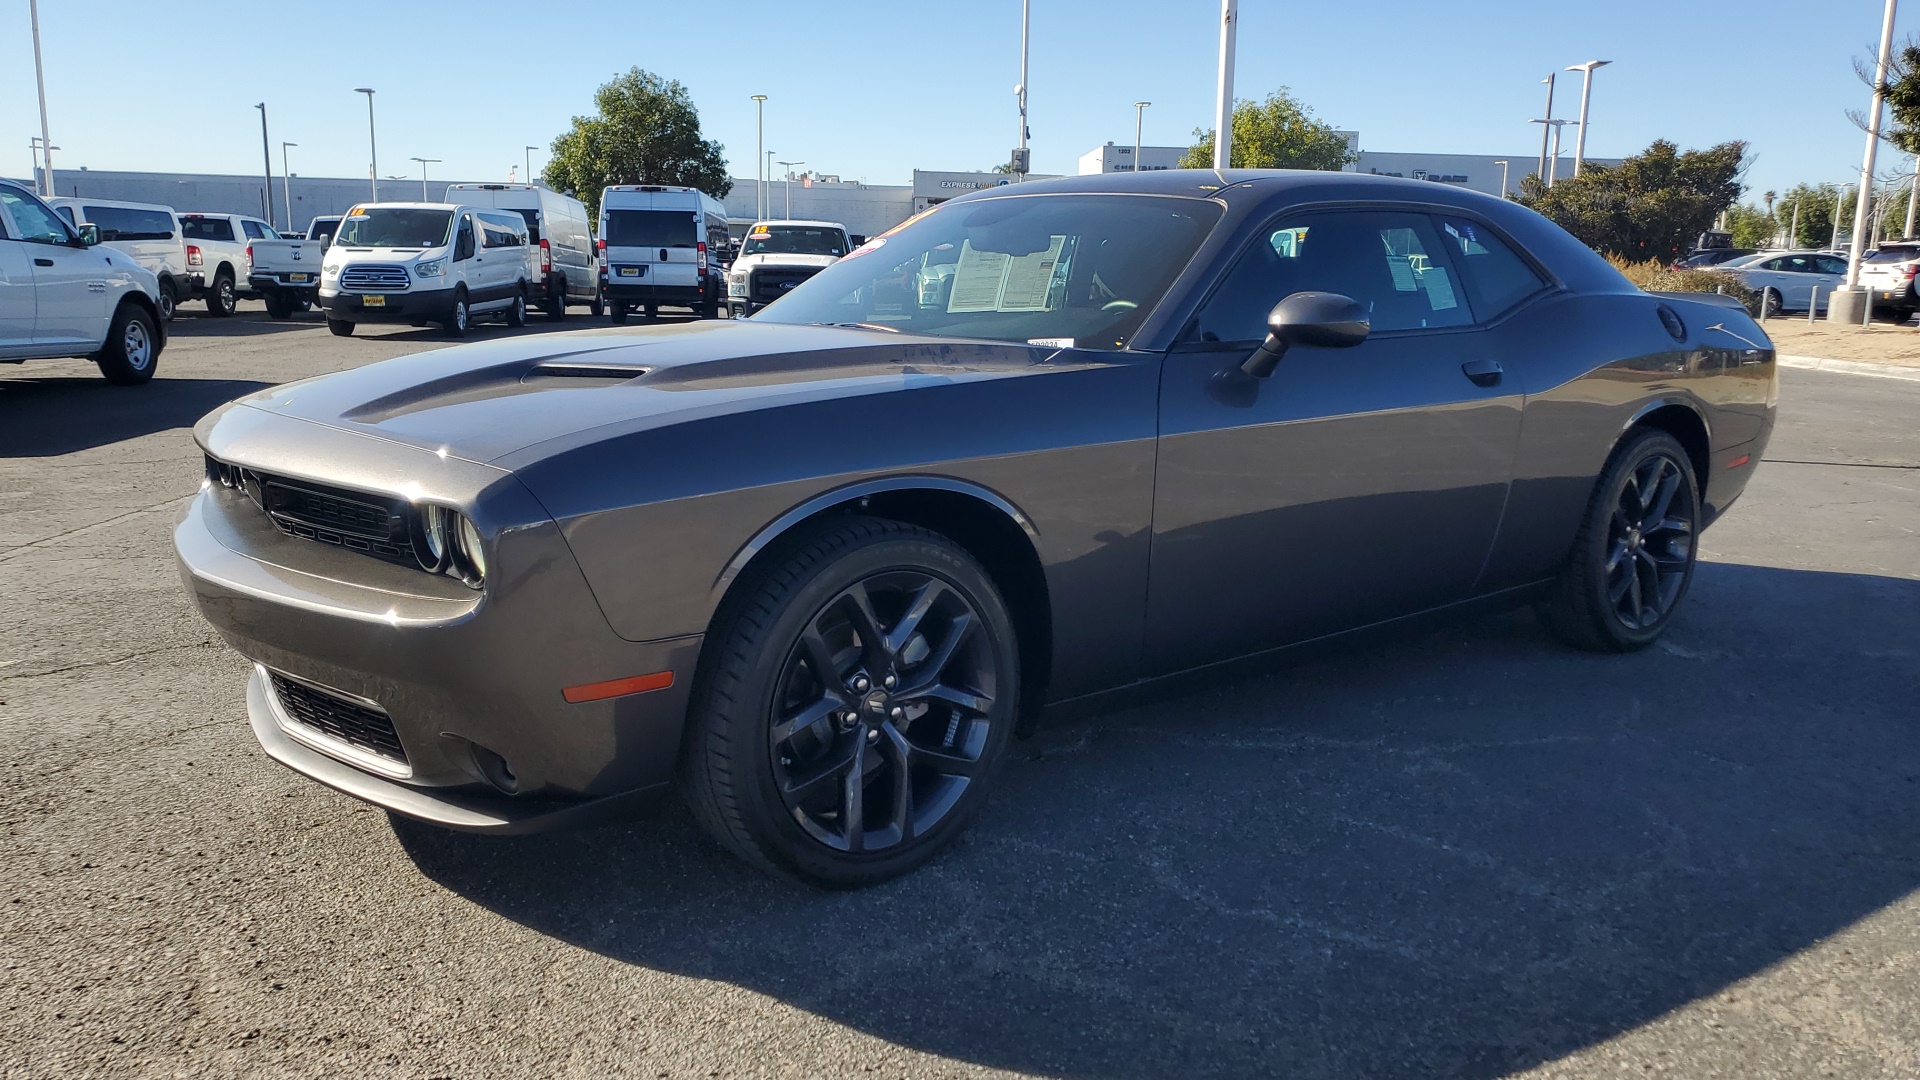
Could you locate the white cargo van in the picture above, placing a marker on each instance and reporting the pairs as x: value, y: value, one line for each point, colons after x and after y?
x: 558, y: 227
x: 420, y: 263
x: 658, y: 246
x: 148, y: 232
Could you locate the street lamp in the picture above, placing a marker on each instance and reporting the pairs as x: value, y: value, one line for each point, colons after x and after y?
x: 1139, y: 110
x: 373, y: 148
x: 40, y: 82
x: 1542, y: 174
x: 1586, y: 91
x: 1839, y: 201
x: 266, y: 159
x: 286, y: 182
x: 760, y: 150
x: 530, y: 151
x: 1503, y: 177
x: 1550, y: 132
x: 424, y: 162
x: 789, y: 167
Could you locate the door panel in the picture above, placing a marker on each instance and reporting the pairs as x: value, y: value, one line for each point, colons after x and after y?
x: 67, y: 280
x: 17, y: 302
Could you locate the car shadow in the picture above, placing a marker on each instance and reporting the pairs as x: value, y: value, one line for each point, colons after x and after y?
x: 1442, y: 853
x: 50, y: 416
x: 198, y: 324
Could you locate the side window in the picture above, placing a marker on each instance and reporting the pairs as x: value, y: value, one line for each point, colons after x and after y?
x: 32, y: 220
x: 463, y: 246
x: 67, y: 213
x: 1391, y: 261
x: 252, y: 229
x: 1497, y: 279
x: 1830, y: 264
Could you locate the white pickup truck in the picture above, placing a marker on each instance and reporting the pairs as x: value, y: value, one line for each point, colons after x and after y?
x: 778, y: 255
x: 285, y: 272
x: 217, y: 269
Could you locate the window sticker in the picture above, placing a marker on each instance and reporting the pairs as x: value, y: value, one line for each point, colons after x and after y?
x: 997, y: 281
x: 1439, y: 288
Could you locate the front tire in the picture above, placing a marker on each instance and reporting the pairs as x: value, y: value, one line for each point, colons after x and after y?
x: 853, y: 706
x: 169, y: 299
x: 222, y: 301
x: 1769, y: 303
x: 1633, y: 559
x: 456, y: 322
x: 132, y: 349
x: 340, y: 327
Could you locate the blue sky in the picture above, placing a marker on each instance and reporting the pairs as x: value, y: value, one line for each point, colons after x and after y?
x: 871, y: 90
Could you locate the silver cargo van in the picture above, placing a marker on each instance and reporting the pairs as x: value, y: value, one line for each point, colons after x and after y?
x: 658, y: 246
x: 559, y: 228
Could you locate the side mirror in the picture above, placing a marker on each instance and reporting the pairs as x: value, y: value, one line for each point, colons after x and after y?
x: 89, y: 234
x: 1322, y: 320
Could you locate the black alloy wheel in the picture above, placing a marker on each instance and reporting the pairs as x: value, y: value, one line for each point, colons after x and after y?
x: 1634, y: 557
x: 859, y: 701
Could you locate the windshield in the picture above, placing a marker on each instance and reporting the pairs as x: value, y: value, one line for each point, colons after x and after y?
x: 394, y: 227
x: 651, y: 228
x: 1065, y: 269
x: 795, y: 240
x: 1894, y: 255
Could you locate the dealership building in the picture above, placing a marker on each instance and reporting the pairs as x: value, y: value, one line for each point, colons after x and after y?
x: 1481, y: 172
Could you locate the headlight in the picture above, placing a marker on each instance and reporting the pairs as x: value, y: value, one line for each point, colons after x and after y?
x: 447, y: 543
x: 434, y: 268
x: 738, y: 278
x: 471, y: 554
x: 329, y: 269
x: 435, y: 533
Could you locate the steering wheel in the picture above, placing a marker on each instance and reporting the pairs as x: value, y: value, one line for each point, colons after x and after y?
x: 1118, y: 305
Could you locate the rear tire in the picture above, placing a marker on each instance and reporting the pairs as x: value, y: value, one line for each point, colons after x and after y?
x: 132, y: 349
x: 596, y: 307
x: 278, y: 305
x: 1633, y: 558
x: 618, y: 313
x: 222, y: 301
x: 169, y: 300
x: 923, y: 722
x: 556, y: 307
x: 340, y: 327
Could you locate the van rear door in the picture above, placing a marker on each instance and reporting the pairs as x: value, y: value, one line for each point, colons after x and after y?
x: 653, y: 246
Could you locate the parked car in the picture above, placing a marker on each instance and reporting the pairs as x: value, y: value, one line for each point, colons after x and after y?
x: 63, y: 293
x: 1701, y: 260
x: 1889, y: 274
x: 1792, y: 280
x: 558, y: 226
x: 285, y: 272
x: 656, y: 244
x: 148, y: 232
x: 217, y: 269
x: 421, y: 263
x: 818, y: 566
x: 776, y: 256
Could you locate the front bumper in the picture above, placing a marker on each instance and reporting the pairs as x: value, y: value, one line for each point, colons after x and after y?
x: 434, y: 305
x: 453, y: 669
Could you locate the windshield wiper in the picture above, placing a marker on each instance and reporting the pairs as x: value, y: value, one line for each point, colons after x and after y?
x: 862, y: 326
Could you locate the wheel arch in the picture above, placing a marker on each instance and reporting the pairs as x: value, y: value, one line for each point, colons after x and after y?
x: 140, y: 299
x: 984, y: 523
x: 1685, y: 423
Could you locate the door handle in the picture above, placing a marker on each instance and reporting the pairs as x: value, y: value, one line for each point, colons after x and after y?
x: 1483, y: 372
x: 43, y: 262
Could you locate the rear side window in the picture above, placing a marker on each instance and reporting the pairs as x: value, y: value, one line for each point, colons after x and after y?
x: 532, y: 218
x: 501, y: 230
x: 1833, y: 264
x: 651, y: 228
x: 127, y: 223
x: 1497, y: 279
x: 199, y: 228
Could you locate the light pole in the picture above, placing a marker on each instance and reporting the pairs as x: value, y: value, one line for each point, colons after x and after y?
x: 286, y: 182
x: 767, y: 170
x: 1839, y: 201
x: 33, y: 155
x: 1503, y: 178
x: 1586, y: 91
x: 1553, y: 163
x: 1139, y: 110
x: 529, y: 153
x: 759, y: 155
x: 1223, y: 98
x: 424, y: 162
x: 789, y: 167
x: 40, y: 82
x: 373, y: 147
x: 266, y: 158
x: 1022, y: 161
x: 1855, y: 249
x: 1913, y: 189
x: 1542, y: 174
x: 1549, y: 136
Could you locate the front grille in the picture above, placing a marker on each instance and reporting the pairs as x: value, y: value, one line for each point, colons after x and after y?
x: 349, y: 722
x: 374, y: 278
x: 771, y: 285
x: 370, y: 524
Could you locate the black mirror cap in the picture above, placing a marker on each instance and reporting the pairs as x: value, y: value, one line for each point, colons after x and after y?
x: 1322, y: 320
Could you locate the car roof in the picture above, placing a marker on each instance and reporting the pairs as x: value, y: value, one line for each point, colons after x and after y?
x: 800, y: 221
x: 76, y: 200
x: 1204, y: 183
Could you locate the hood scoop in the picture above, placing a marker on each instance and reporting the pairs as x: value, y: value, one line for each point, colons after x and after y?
x: 589, y: 370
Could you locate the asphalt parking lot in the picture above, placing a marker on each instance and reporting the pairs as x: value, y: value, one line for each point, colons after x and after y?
x: 1451, y: 852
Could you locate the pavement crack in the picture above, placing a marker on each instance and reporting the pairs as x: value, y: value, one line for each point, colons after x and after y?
x: 106, y: 663
x: 18, y: 549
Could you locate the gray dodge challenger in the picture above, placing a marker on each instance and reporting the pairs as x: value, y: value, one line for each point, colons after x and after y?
x: 1045, y: 442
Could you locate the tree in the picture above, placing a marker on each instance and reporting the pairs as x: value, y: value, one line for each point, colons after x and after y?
x: 647, y: 132
x: 1650, y: 206
x: 1278, y: 133
x: 1815, y: 205
x: 1751, y: 226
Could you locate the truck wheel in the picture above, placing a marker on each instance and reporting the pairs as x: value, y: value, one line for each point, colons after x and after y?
x: 222, y: 301
x: 456, y: 321
x: 557, y: 298
x: 652, y: 313
x: 596, y: 307
x: 167, y: 300
x: 340, y: 327
x: 619, y: 313
x: 132, y: 348
x: 517, y: 314
x: 278, y: 305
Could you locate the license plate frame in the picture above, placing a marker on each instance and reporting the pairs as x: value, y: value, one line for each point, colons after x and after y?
x: 373, y: 301
x: 630, y: 271
x: 300, y: 279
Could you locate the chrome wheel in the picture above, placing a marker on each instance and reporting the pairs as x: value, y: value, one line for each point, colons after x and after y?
x: 1650, y: 542
x: 882, y: 711
x: 137, y: 345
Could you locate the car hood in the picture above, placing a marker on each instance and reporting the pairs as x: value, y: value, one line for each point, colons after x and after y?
x: 485, y: 402
x: 748, y: 262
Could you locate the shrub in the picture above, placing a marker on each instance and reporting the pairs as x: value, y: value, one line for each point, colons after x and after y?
x: 1654, y: 276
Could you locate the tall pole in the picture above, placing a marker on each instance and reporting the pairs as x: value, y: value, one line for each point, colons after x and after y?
x: 1793, y: 236
x: 266, y: 158
x: 373, y: 146
x: 788, y: 165
x: 286, y: 183
x: 1586, y: 93
x: 759, y: 157
x: 424, y: 162
x: 529, y: 156
x: 1223, y: 97
x: 1553, y: 163
x: 1839, y: 201
x: 1503, y: 178
x: 1139, y: 110
x: 1026, y: 14
x: 40, y: 81
x: 1913, y: 189
x: 1545, y: 132
x: 1873, y: 144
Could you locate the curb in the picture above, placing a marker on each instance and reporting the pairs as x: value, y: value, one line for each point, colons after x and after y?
x: 1848, y: 367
